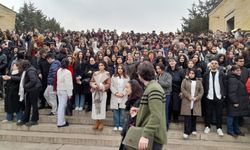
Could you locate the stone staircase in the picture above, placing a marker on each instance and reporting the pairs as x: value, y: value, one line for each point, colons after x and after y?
x: 80, y: 134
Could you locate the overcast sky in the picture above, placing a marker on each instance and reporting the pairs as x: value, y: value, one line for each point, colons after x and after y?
x: 123, y: 15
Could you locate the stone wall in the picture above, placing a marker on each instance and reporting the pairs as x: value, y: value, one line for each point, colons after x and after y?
x: 239, y: 9
x: 7, y: 18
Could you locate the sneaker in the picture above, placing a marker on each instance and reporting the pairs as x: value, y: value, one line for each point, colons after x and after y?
x: 20, y: 123
x: 240, y: 133
x: 6, y: 121
x: 77, y: 108
x: 80, y: 109
x: 232, y: 134
x: 185, y: 136
x: 51, y: 114
x: 194, y: 133
x: 31, y: 123
x: 207, y: 130
x: 115, y: 129
x: 65, y: 125
x: 220, y: 132
x: 120, y: 128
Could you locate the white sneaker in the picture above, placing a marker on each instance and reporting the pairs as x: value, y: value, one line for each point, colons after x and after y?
x: 80, y: 108
x: 77, y: 108
x: 185, y: 136
x: 220, y: 132
x: 207, y: 130
x: 194, y: 133
x: 5, y: 121
x: 120, y: 128
x: 115, y: 129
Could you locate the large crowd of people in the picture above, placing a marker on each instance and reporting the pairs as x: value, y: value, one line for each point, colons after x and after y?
x: 201, y: 75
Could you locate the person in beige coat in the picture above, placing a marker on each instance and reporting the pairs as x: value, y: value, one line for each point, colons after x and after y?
x: 99, y: 83
x: 192, y: 91
x: 119, y: 96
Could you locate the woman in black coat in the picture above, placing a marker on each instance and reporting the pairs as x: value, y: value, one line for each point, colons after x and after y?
x: 12, y: 104
x: 175, y: 100
x: 31, y: 89
x: 237, y: 101
x: 79, y: 68
x: 90, y: 68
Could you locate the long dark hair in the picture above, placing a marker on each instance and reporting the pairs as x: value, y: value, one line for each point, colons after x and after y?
x: 64, y: 63
x: 136, y: 90
x: 124, y: 71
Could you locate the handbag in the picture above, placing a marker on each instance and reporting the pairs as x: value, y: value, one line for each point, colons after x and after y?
x: 132, y: 138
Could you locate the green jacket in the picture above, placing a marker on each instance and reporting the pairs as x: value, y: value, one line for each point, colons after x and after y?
x: 151, y: 114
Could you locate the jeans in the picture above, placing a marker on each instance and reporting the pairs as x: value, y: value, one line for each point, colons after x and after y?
x: 167, y: 110
x: 118, y: 117
x: 79, y: 100
x: 233, y: 125
x: 9, y: 116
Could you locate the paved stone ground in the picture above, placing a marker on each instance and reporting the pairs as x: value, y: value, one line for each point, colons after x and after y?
x: 44, y: 146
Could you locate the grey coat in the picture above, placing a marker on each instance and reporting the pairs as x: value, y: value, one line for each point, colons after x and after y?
x: 165, y: 80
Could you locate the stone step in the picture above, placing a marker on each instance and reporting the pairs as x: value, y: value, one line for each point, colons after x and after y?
x: 212, y: 136
x: 74, y: 112
x: 208, y: 141
x: 176, y: 144
x: 60, y: 138
x: 5, y: 145
x: 87, y: 130
x: 52, y: 128
x: 172, y: 145
x: 85, y: 120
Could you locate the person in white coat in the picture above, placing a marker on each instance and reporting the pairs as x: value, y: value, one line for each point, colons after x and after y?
x: 119, y: 96
x: 64, y: 88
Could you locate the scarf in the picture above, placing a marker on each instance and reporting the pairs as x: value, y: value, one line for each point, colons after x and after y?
x: 193, y: 87
x: 21, y: 88
x: 216, y: 86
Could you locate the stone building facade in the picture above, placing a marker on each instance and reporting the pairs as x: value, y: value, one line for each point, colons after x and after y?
x: 7, y: 18
x: 229, y: 15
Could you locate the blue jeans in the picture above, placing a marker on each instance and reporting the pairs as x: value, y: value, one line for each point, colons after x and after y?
x: 79, y: 100
x: 9, y: 116
x: 233, y: 125
x: 167, y: 110
x: 118, y: 117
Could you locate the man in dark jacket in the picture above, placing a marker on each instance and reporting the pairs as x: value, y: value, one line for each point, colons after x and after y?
x: 3, y: 65
x: 49, y: 94
x: 214, y: 92
x: 31, y: 88
x: 237, y: 101
x: 43, y: 70
x: 240, y: 61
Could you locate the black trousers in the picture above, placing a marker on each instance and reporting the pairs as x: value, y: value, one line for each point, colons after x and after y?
x: 217, y: 107
x: 189, y: 123
x: 31, y: 101
x: 157, y: 146
x: 175, y: 106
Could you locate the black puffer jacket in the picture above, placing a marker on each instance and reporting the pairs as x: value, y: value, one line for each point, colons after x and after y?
x: 237, y: 94
x: 31, y: 80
